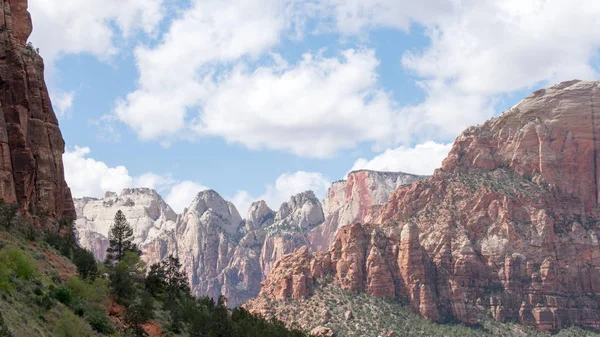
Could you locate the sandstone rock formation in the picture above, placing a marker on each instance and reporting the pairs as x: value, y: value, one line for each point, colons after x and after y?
x: 144, y: 209
x: 221, y: 253
x: 356, y: 200
x: 508, y: 226
x: 31, y: 144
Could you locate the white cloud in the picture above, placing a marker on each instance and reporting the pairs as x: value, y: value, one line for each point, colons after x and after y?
x: 484, y: 49
x: 312, y: 109
x: 422, y: 159
x: 62, y: 102
x: 182, y: 194
x: 355, y: 17
x: 88, y: 177
x: 286, y: 186
x: 86, y: 26
x: 91, y: 178
x: 479, y: 50
x: 210, y: 32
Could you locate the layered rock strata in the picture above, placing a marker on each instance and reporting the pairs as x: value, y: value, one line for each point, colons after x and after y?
x: 31, y: 144
x: 508, y: 225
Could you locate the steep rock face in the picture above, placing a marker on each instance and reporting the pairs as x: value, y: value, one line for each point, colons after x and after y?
x: 292, y: 222
x: 31, y: 144
x: 384, y: 262
x: 551, y: 136
x: 207, y: 235
x: 145, y: 210
x: 509, y: 225
x: 356, y: 200
x: 513, y: 216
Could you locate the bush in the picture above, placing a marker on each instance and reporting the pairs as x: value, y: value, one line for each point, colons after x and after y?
x: 71, y: 325
x: 100, y: 322
x: 4, y: 332
x: 63, y: 295
x: 45, y: 301
x: 19, y: 263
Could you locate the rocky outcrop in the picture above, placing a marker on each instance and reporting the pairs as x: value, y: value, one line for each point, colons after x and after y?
x: 145, y: 210
x: 509, y: 225
x: 356, y: 200
x: 31, y: 144
x: 292, y: 222
x: 384, y: 262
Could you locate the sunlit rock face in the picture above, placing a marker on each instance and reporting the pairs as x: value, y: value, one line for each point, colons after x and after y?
x: 357, y: 199
x: 508, y: 225
x: 145, y: 210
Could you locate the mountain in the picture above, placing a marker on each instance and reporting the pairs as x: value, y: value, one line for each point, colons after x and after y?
x: 356, y: 199
x: 31, y: 144
x: 222, y: 253
x: 507, y: 227
x: 145, y: 210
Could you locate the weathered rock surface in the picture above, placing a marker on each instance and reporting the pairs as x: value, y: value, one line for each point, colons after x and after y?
x: 509, y: 225
x: 221, y: 253
x: 145, y: 210
x: 356, y: 200
x: 321, y: 331
x: 31, y: 144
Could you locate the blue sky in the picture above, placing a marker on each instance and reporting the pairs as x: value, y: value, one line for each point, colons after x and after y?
x: 262, y: 99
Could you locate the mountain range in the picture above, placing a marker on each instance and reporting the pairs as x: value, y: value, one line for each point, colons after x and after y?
x: 222, y: 253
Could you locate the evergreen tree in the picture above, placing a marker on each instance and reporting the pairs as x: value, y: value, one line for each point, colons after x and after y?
x: 167, y: 277
x: 86, y: 263
x: 120, y: 240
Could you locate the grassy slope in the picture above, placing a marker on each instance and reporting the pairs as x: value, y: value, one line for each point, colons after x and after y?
x: 374, y: 317
x: 20, y: 304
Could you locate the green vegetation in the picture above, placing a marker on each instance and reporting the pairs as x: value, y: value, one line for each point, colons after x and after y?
x: 53, y: 288
x: 372, y: 317
x: 120, y: 239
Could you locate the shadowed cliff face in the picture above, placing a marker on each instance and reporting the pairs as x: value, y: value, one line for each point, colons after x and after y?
x: 508, y: 226
x: 31, y: 144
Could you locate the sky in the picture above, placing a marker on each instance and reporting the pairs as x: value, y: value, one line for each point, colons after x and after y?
x: 263, y: 99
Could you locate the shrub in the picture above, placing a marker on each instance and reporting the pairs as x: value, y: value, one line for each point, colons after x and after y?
x: 100, y: 322
x: 71, y: 325
x: 5, y: 277
x: 19, y: 263
x: 63, y: 295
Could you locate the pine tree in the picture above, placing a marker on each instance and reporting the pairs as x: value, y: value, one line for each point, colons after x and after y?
x: 120, y: 240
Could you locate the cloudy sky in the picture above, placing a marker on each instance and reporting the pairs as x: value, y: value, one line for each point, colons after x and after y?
x: 261, y: 99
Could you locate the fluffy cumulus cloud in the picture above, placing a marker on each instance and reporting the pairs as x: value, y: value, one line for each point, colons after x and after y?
x: 478, y: 51
x: 171, y: 73
x: 313, y: 108
x: 88, y: 177
x: 88, y: 26
x: 422, y: 159
x: 286, y: 186
x: 484, y: 49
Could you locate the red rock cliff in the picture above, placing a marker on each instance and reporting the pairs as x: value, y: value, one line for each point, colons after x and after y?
x: 508, y: 226
x: 31, y: 144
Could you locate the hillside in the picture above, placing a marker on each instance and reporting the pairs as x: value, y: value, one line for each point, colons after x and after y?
x: 51, y: 287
